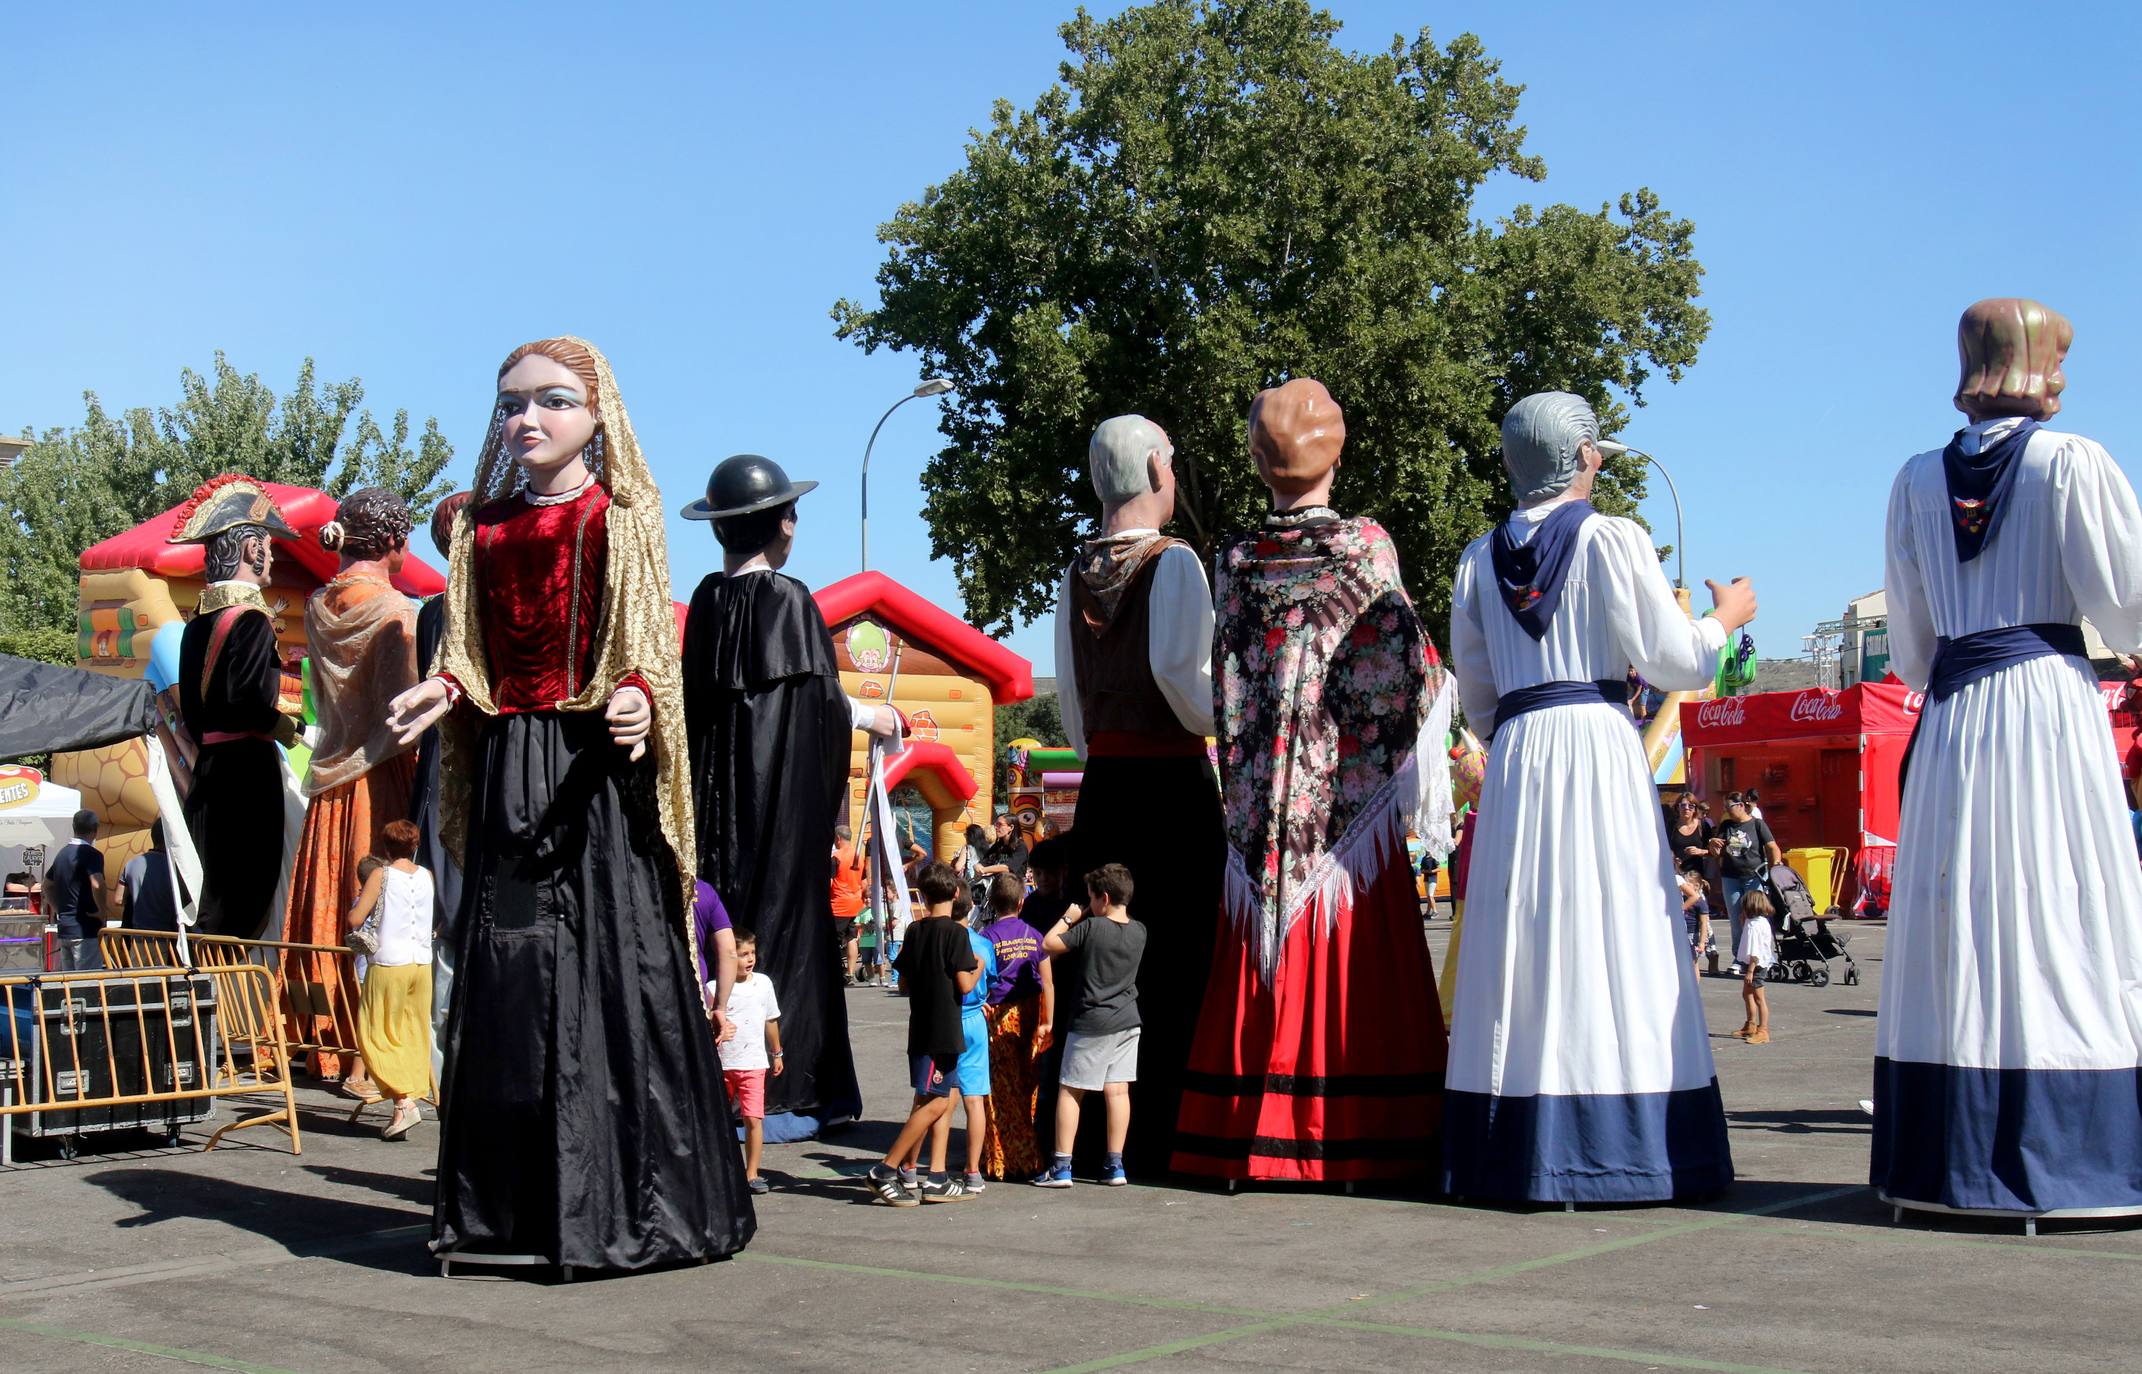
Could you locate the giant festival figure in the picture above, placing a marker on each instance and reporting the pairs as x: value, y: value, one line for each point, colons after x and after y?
x: 1319, y: 1052
x: 1580, y: 1065
x: 361, y: 635
x: 585, y: 1124
x: 1134, y: 677
x: 230, y: 680
x: 2008, y: 1068
x: 770, y: 732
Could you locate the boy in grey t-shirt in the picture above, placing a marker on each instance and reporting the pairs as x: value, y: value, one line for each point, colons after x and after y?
x: 1101, y: 1051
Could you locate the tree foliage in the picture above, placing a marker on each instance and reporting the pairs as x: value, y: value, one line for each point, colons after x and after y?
x: 1214, y: 198
x: 75, y: 487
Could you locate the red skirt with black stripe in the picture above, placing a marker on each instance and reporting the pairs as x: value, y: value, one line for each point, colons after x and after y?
x: 1334, y: 1073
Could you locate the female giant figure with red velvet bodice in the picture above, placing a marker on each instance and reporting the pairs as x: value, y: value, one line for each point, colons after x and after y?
x: 585, y: 1123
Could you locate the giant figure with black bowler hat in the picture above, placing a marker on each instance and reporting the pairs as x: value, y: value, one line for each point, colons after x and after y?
x: 770, y: 732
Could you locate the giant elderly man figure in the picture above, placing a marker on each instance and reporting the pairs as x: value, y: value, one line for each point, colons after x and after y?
x: 770, y: 735
x: 1134, y: 666
x: 1580, y: 1067
x: 2009, y: 1048
x: 230, y: 680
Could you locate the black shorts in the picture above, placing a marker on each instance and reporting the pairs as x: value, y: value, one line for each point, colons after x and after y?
x: 1755, y: 975
x: 934, y: 1075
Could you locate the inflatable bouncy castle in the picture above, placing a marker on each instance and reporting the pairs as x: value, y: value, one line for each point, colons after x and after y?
x: 945, y: 676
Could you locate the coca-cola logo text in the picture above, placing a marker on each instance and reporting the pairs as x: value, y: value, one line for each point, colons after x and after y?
x: 1816, y: 704
x: 1726, y: 711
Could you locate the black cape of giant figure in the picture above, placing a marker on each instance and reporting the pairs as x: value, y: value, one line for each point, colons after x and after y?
x: 235, y: 810
x: 770, y: 733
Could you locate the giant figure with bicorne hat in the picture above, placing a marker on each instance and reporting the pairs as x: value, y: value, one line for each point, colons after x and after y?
x: 1134, y: 676
x: 2008, y: 1054
x: 1580, y: 1065
x: 230, y: 681
x: 770, y: 732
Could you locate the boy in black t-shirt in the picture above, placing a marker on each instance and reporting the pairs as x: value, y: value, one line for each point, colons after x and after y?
x: 937, y: 968
x: 1101, y: 1052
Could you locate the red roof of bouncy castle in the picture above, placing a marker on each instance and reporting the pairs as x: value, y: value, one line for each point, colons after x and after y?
x: 928, y: 756
x: 1010, y: 677
x: 147, y: 546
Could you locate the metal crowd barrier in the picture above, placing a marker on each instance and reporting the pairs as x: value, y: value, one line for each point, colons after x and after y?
x: 315, y: 986
x: 117, y: 1049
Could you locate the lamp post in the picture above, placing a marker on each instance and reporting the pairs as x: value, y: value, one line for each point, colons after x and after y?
x: 1680, y: 542
x: 931, y: 386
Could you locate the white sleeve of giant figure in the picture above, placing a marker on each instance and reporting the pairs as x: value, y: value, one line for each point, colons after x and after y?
x: 1469, y: 661
x: 2100, y: 541
x: 1179, y: 637
x: 1673, y: 653
x: 1067, y: 671
x: 1911, y: 623
x: 862, y: 715
x: 1431, y: 805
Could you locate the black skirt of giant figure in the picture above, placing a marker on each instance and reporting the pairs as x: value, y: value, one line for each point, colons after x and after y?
x: 1176, y: 865
x: 584, y: 1117
x: 235, y: 810
x: 770, y: 735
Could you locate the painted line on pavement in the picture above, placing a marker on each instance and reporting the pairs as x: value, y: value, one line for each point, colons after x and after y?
x: 1333, y: 1316
x: 162, y: 1352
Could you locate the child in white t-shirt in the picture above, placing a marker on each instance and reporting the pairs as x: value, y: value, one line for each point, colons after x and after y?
x: 1758, y: 950
x: 755, y: 1047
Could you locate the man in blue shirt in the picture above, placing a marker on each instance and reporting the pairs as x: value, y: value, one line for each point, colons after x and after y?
x: 74, y: 896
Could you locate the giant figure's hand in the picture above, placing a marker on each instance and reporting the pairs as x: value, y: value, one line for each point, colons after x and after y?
x: 1734, y: 603
x: 418, y: 709
x: 630, y: 719
x: 885, y: 723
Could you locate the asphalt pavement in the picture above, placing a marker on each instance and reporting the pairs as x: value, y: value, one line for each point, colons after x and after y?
x: 249, y: 1258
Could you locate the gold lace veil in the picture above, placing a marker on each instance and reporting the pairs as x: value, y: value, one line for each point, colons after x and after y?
x: 639, y: 627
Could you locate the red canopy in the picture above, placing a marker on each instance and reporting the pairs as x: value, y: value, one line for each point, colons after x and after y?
x: 147, y: 546
x: 1870, y: 708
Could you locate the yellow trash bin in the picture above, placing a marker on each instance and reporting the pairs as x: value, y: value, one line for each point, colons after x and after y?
x: 1822, y: 870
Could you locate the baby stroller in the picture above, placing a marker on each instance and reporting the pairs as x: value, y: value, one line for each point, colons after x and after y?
x: 1805, y: 942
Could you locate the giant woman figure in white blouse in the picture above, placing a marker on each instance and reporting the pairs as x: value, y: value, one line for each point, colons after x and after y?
x: 2006, y: 1058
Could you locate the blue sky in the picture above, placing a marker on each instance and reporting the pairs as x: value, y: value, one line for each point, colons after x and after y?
x: 405, y: 194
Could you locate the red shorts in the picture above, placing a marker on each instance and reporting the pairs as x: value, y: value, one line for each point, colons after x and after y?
x: 747, y: 1091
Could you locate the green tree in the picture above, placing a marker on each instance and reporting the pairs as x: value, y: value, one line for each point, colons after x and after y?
x: 74, y: 487
x: 1214, y: 198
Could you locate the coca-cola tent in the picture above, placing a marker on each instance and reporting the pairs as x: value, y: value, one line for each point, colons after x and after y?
x: 1826, y: 764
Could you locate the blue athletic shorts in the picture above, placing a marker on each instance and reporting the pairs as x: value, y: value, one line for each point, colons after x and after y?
x: 973, y: 1073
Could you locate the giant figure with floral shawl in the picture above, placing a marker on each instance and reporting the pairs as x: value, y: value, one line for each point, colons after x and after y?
x: 1319, y: 1050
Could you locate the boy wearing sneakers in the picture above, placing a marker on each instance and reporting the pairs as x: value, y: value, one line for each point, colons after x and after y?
x: 1758, y: 950
x: 751, y: 1051
x: 1101, y: 1052
x: 937, y: 969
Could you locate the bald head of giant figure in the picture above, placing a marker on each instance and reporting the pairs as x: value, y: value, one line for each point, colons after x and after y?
x: 1551, y: 445
x: 1296, y: 432
x: 1132, y: 462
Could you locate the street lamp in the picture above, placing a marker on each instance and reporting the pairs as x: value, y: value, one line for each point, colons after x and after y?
x: 931, y: 386
x: 1680, y: 542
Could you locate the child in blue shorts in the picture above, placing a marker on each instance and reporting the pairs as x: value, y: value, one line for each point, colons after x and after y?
x: 970, y: 1084
x: 938, y: 966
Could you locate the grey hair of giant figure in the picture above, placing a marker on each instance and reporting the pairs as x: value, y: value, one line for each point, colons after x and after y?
x: 1543, y: 439
x: 1118, y: 456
